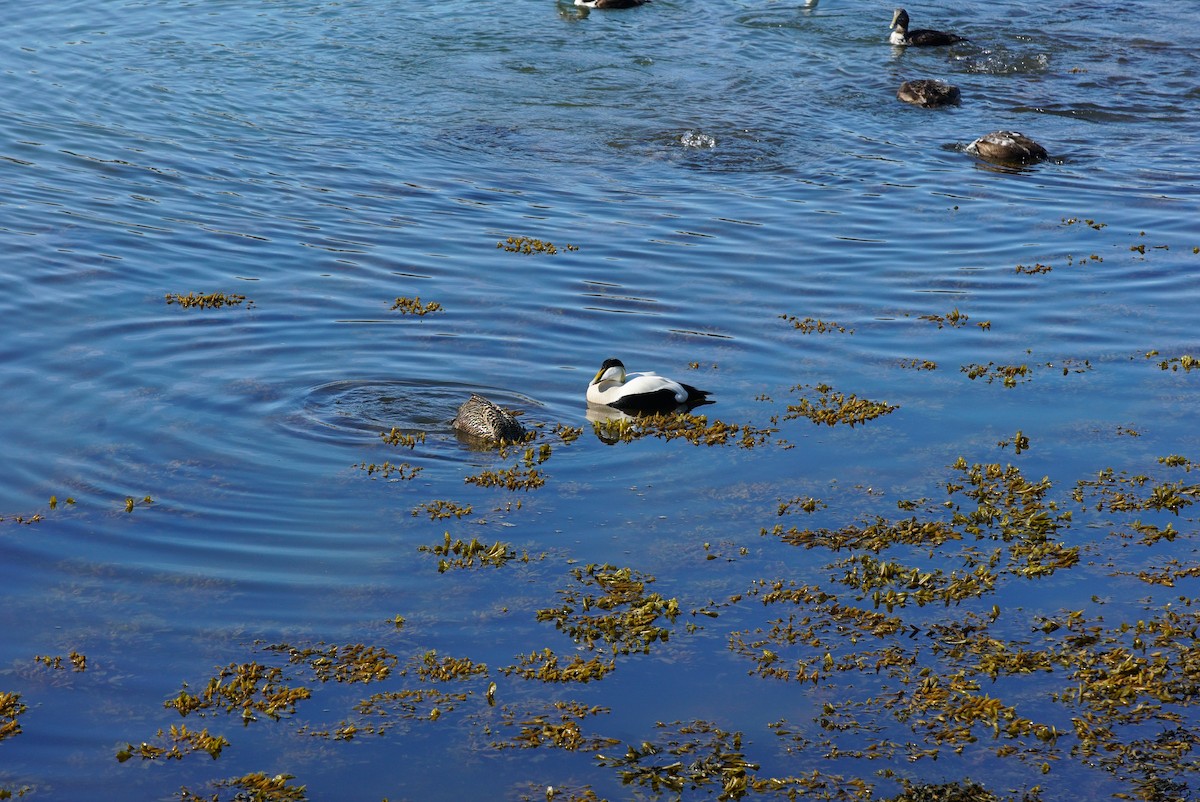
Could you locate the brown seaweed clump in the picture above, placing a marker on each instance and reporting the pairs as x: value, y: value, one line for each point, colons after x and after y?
x: 10, y: 708
x: 213, y: 300
x: 530, y: 245
x: 413, y: 306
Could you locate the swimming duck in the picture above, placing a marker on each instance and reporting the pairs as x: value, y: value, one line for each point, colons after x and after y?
x: 480, y: 418
x: 610, y: 3
x: 928, y: 93
x: 1007, y: 146
x: 901, y: 35
x: 641, y: 392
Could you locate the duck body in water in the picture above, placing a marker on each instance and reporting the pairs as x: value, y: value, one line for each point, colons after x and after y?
x: 928, y: 93
x: 921, y: 37
x: 641, y: 392
x: 481, y: 419
x: 1007, y: 147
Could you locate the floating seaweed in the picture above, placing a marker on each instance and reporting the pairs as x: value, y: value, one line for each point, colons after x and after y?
x: 55, y: 662
x: 1033, y: 269
x: 355, y: 662
x: 514, y: 478
x: 386, y: 470
x: 1019, y: 442
x: 247, y: 688
x: 130, y: 503
x: 804, y: 504
x: 618, y: 611
x: 832, y: 408
x: 695, y: 429
x: 1090, y: 223
x: 11, y: 708
x: 545, y: 667
x: 568, y: 434
x: 809, y: 325
x: 214, y: 300
x: 396, y: 437
x: 954, y: 319
x: 413, y: 306
x: 257, y: 786
x: 696, y: 754
x: 529, y: 245
x: 1009, y: 375
x: 559, y: 728
x: 439, y: 509
x: 458, y: 553
x: 182, y: 742
x: 1186, y: 361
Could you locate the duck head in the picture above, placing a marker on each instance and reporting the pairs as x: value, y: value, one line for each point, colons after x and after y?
x: 613, y: 370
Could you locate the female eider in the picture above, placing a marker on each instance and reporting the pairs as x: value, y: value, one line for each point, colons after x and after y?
x: 610, y: 3
x: 928, y: 93
x: 901, y: 35
x: 480, y: 418
x: 1007, y: 147
x: 641, y: 392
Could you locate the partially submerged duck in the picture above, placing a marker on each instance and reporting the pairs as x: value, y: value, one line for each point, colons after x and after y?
x: 610, y: 3
x: 1008, y: 147
x: 928, y: 93
x: 901, y: 35
x: 480, y: 418
x: 641, y: 392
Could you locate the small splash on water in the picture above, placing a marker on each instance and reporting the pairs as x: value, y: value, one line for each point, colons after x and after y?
x: 740, y: 150
x: 697, y: 139
x: 1002, y: 61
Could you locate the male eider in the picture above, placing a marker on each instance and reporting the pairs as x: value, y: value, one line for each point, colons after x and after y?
x: 928, y: 93
x: 480, y: 418
x: 610, y: 3
x: 641, y: 392
x: 901, y: 35
x: 1007, y: 147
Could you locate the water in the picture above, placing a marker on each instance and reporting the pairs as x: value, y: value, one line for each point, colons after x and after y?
x: 718, y: 173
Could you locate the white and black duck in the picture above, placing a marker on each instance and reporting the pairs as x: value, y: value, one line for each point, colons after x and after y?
x: 641, y: 392
x: 602, y: 4
x: 921, y: 37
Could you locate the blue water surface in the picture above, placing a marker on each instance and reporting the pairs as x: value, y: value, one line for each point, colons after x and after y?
x: 709, y: 178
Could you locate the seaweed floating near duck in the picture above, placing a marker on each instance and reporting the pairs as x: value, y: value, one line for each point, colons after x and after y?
x: 929, y: 93
x: 1007, y: 147
x: 641, y: 392
x: 921, y: 37
x: 481, y: 419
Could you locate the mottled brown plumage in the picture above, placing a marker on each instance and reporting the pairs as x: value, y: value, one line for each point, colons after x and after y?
x: 1007, y: 147
x: 480, y: 418
x: 928, y: 93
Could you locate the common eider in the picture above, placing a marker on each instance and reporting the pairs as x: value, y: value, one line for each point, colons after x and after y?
x: 928, y: 93
x: 480, y: 418
x: 641, y: 392
x: 610, y: 3
x: 1008, y: 147
x: 901, y: 35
